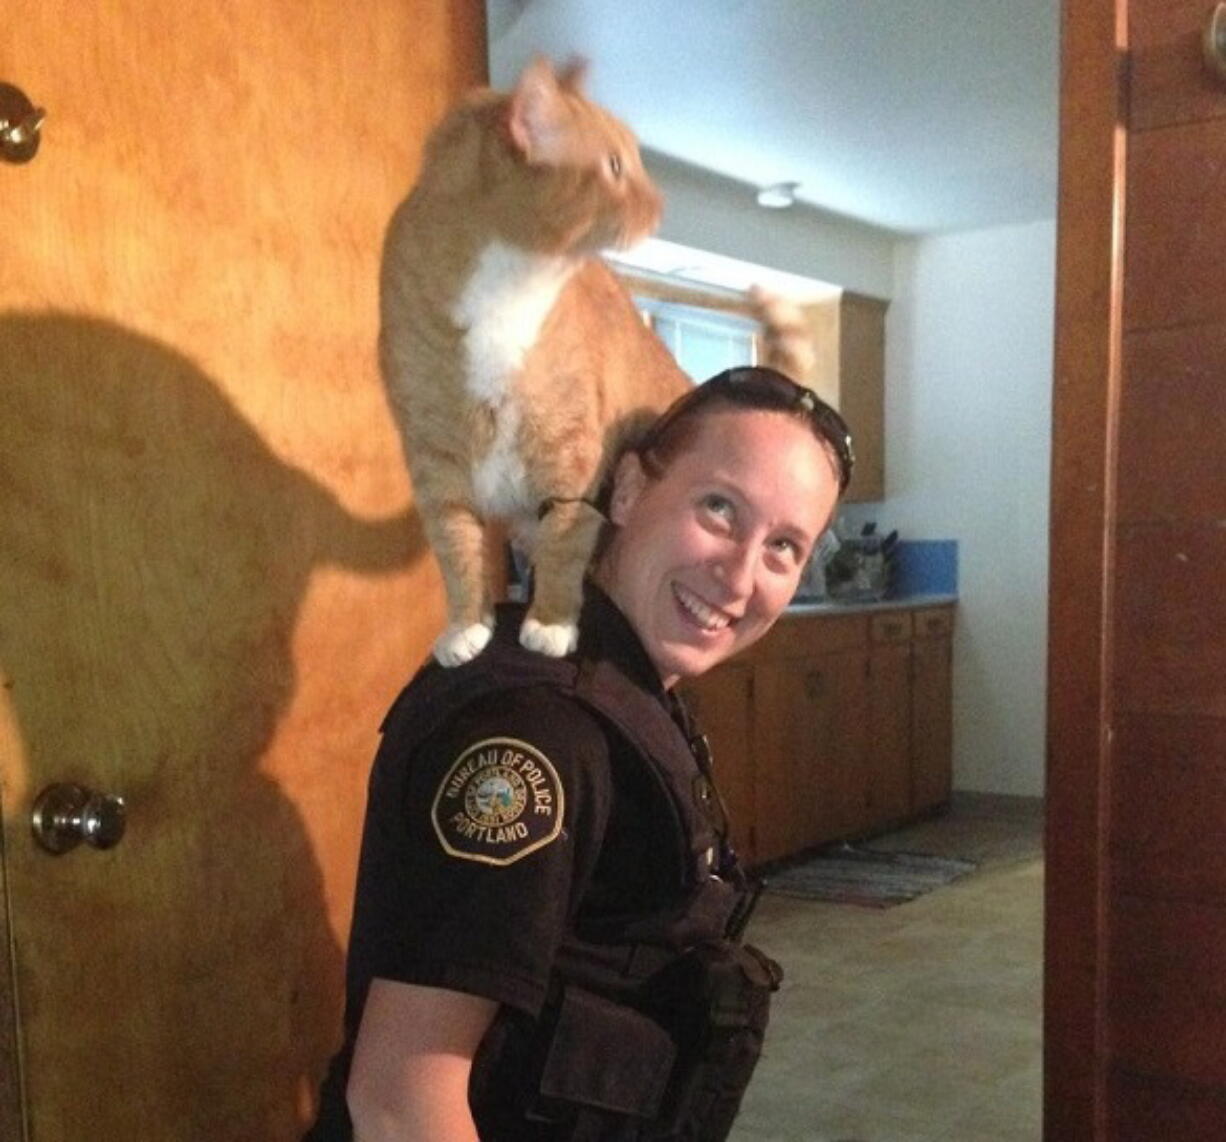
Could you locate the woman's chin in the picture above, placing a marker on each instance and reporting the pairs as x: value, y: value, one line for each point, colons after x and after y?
x: 689, y: 657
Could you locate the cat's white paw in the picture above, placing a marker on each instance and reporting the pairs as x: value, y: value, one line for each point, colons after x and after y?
x: 457, y: 644
x: 553, y: 639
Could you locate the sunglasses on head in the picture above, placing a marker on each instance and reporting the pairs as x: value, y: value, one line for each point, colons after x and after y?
x: 759, y: 387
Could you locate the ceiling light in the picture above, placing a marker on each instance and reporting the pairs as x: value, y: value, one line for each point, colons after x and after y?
x: 778, y: 196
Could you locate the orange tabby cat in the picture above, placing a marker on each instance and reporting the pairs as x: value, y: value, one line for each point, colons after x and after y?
x: 516, y: 364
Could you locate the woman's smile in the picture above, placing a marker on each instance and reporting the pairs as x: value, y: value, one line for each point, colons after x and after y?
x: 703, y: 615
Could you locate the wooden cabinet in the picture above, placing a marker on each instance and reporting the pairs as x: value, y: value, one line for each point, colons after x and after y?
x: 887, y: 760
x: 808, y: 727
x: 931, y: 702
x: 722, y: 706
x: 836, y: 725
x: 849, y: 372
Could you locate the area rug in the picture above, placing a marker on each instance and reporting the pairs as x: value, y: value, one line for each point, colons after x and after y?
x: 871, y: 879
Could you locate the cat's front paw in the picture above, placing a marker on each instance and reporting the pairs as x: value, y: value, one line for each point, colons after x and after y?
x: 457, y: 644
x: 554, y: 639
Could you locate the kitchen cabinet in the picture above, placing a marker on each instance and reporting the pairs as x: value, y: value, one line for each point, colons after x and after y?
x: 723, y: 711
x: 808, y: 728
x: 835, y: 725
x: 887, y: 760
x: 931, y: 704
x: 849, y: 372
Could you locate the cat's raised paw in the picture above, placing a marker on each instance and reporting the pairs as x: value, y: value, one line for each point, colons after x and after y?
x: 554, y: 639
x: 457, y: 644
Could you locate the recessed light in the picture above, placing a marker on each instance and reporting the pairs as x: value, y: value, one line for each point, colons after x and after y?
x: 778, y: 196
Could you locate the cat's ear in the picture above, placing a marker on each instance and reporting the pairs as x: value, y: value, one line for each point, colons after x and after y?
x: 573, y: 74
x: 536, y: 112
x: 629, y: 480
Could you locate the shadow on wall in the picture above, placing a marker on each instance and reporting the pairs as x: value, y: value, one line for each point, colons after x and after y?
x: 154, y: 554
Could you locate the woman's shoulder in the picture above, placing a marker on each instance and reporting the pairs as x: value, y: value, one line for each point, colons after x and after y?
x: 504, y: 772
x: 545, y: 717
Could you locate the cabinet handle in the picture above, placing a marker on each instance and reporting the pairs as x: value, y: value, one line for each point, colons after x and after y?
x: 1215, y: 42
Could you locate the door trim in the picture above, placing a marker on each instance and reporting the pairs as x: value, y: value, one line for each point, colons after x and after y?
x: 1087, y: 378
x: 12, y: 1103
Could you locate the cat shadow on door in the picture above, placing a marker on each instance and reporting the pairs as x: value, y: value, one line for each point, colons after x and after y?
x: 154, y: 559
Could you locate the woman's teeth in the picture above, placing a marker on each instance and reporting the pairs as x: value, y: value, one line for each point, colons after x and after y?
x: 707, y: 617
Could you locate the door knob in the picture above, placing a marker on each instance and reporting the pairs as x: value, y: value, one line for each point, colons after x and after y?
x: 20, y: 125
x: 1215, y: 42
x: 64, y: 815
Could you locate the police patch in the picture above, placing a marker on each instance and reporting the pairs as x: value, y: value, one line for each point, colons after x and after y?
x: 500, y: 800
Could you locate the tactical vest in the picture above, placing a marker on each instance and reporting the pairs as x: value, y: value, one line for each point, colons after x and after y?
x: 651, y: 1029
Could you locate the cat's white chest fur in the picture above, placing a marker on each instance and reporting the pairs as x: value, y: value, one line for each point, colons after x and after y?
x: 501, y: 310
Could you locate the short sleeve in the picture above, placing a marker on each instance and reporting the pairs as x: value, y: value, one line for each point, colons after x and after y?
x: 502, y: 822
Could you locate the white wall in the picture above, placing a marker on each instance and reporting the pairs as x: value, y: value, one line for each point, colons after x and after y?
x: 968, y: 445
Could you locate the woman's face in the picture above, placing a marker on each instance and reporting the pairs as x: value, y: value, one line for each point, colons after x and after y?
x: 708, y: 555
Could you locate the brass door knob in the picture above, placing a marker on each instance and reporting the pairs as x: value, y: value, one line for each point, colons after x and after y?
x: 65, y: 814
x: 20, y: 125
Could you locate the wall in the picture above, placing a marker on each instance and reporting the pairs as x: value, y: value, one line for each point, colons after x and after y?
x: 968, y: 430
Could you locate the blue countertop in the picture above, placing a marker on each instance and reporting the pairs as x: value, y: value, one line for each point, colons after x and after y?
x: 829, y: 607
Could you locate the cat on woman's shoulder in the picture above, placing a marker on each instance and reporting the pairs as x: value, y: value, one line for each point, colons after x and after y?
x: 516, y: 363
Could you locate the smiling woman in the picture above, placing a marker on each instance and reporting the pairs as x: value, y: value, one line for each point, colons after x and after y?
x: 710, y: 548
x: 546, y: 941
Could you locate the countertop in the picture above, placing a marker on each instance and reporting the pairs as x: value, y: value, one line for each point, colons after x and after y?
x: 902, y: 602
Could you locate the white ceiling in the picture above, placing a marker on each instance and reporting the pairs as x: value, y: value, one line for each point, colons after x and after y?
x: 919, y: 116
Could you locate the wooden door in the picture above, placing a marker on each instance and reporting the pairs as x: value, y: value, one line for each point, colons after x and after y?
x: 1137, y: 690
x: 721, y: 701
x: 212, y: 581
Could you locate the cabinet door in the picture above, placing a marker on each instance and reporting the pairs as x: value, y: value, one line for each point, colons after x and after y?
x: 931, y: 730
x: 887, y: 761
x: 721, y: 703
x: 810, y: 717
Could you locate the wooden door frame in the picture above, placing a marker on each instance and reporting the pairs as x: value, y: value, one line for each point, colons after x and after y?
x: 1087, y: 378
x: 12, y: 1117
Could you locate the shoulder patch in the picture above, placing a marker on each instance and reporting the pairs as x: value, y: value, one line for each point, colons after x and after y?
x: 500, y: 800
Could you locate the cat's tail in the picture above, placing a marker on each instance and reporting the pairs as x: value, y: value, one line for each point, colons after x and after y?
x: 787, y: 336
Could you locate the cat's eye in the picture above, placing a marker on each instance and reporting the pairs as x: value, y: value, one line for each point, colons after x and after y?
x: 615, y: 164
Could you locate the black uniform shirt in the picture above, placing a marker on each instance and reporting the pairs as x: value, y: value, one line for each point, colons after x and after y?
x: 523, y: 815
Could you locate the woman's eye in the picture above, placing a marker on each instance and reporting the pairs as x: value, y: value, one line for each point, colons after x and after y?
x: 615, y: 164
x: 718, y: 505
x: 787, y: 547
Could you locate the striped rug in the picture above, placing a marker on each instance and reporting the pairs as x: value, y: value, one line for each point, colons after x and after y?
x: 846, y: 874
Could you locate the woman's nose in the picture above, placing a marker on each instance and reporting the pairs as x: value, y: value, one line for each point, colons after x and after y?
x: 734, y: 568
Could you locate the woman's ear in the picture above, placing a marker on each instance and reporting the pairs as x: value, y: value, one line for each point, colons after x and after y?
x: 629, y: 480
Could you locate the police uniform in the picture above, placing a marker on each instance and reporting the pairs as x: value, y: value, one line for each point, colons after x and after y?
x: 540, y: 832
